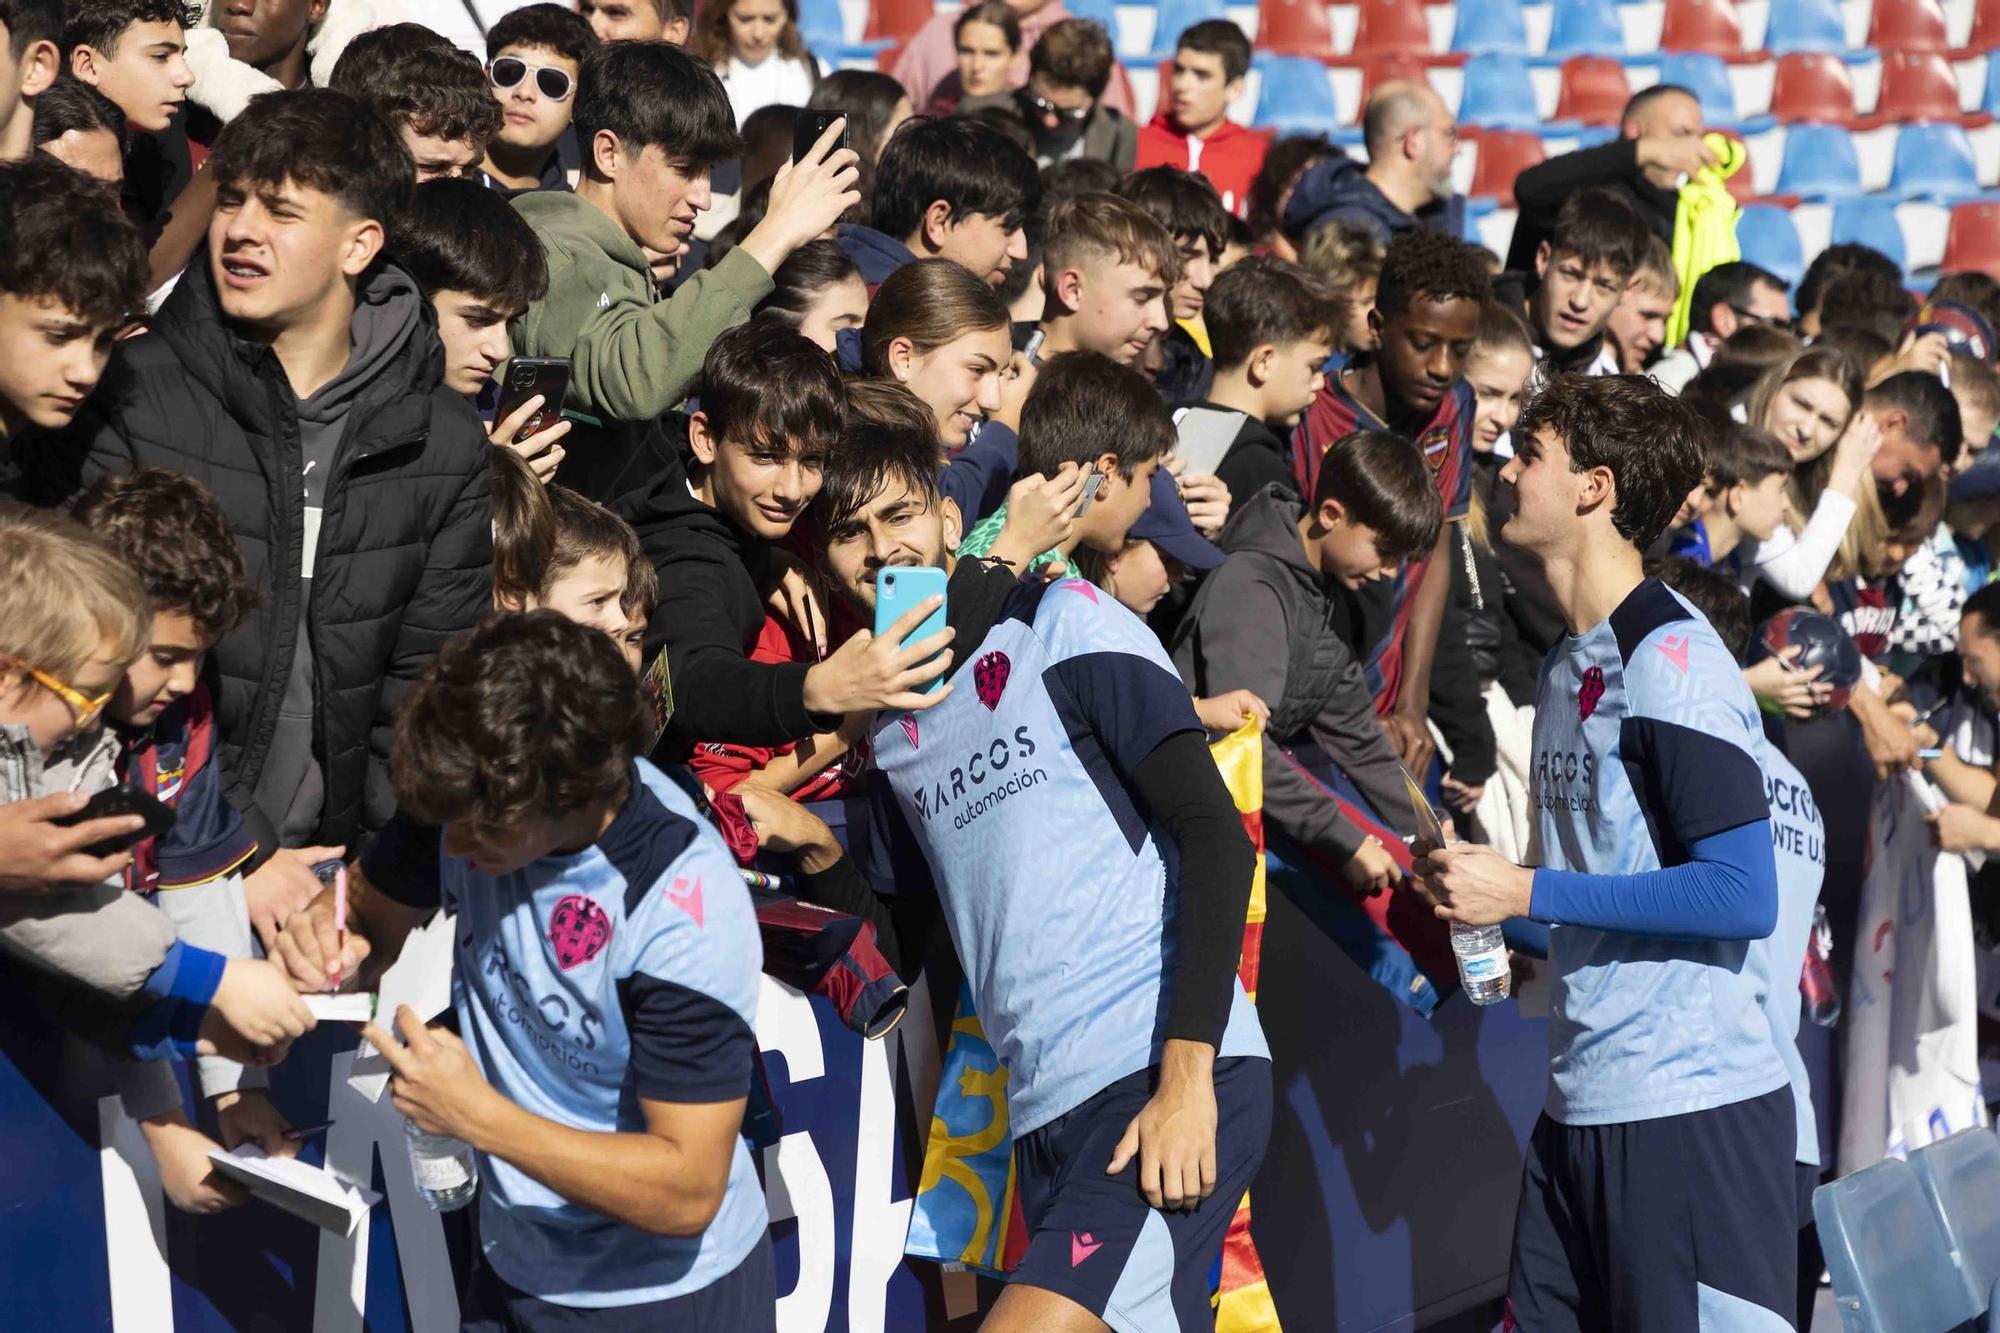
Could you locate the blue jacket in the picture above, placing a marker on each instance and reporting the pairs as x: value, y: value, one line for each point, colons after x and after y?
x: 876, y: 253
x: 1337, y: 189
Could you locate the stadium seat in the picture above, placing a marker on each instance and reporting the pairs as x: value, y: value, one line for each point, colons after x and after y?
x: 1972, y: 242
x: 1805, y: 25
x: 1933, y: 161
x: 1989, y: 101
x: 1489, y: 27
x: 1889, y: 1257
x: 1702, y: 25
x: 1175, y: 18
x: 1708, y: 78
x: 1907, y: 25
x: 1985, y: 35
x: 1814, y: 87
x: 1585, y: 28
x: 1872, y: 222
x: 1292, y: 28
x: 1294, y: 96
x: 898, y: 20
x: 1104, y: 12
x: 1503, y: 155
x: 824, y: 31
x: 1384, y: 67
x: 1391, y: 25
x: 1767, y: 238
x: 1497, y: 95
x: 1594, y: 90
x: 1960, y: 1176
x: 1819, y: 163
x: 1917, y: 85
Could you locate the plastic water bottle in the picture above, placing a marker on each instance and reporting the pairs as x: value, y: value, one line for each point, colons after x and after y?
x: 446, y: 1171
x: 1482, y: 962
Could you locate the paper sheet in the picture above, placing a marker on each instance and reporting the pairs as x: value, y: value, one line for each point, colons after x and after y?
x: 301, y: 1189
x: 421, y: 978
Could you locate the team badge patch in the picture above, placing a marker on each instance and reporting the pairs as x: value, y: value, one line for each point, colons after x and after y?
x: 989, y: 678
x: 578, y: 930
x: 1589, y: 693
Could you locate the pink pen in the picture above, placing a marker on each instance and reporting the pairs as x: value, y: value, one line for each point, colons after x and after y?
x: 339, y: 922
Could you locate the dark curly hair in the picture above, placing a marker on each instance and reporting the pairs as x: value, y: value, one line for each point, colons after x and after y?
x: 1427, y: 263
x: 99, y: 24
x: 173, y: 534
x: 1656, y: 445
x: 527, y: 715
x: 411, y: 76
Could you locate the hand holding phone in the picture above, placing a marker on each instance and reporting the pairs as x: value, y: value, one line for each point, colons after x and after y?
x: 159, y: 817
x: 811, y: 126
x: 528, y: 377
x: 902, y: 663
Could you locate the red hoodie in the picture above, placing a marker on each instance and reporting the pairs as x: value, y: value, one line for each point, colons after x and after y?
x: 1229, y: 157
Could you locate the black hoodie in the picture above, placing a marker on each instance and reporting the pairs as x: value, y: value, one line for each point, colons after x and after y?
x: 1257, y: 458
x: 713, y: 577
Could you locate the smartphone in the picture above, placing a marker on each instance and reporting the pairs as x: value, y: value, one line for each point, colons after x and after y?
x: 1033, y: 351
x: 526, y: 377
x: 324, y: 871
x: 1091, y: 484
x: 900, y: 588
x: 159, y: 817
x: 808, y: 128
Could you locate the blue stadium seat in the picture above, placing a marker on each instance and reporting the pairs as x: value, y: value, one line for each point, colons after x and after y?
x: 1707, y: 76
x: 1294, y: 95
x: 824, y: 32
x: 1767, y: 238
x: 1489, y: 27
x: 1585, y: 28
x: 1498, y: 95
x: 1175, y: 18
x: 1805, y: 25
x: 1989, y: 102
x: 1819, y: 163
x: 1933, y: 161
x: 1889, y: 1257
x: 1961, y: 1178
x: 1104, y: 12
x: 1872, y: 222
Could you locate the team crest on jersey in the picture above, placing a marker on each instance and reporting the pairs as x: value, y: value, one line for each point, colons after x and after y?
x: 909, y: 721
x: 989, y: 678
x: 1589, y: 693
x: 578, y: 931
x: 1436, y: 443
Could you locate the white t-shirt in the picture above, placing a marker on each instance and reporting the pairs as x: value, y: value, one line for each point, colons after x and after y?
x: 773, y: 81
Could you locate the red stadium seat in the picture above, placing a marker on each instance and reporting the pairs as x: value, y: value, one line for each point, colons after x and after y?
x: 1812, y: 87
x: 1503, y: 155
x: 1293, y: 28
x: 1391, y: 25
x: 1917, y: 85
x: 1594, y: 90
x: 1708, y: 26
x: 1973, y: 241
x: 1985, y: 35
x: 1907, y: 25
x: 1742, y: 183
x: 895, y: 20
x: 1380, y: 69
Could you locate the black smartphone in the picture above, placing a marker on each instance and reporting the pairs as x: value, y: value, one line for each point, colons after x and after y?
x: 159, y: 817
x: 530, y: 375
x: 808, y: 128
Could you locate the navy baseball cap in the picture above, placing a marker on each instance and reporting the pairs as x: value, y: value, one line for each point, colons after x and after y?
x: 1166, y: 525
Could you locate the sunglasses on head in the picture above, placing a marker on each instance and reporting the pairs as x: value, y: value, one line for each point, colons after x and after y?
x: 553, y: 83
x: 1043, y: 106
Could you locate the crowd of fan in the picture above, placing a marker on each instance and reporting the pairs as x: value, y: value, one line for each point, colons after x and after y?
x: 1258, y: 392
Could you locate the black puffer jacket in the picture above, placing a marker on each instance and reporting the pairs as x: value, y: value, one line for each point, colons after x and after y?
x: 405, y: 548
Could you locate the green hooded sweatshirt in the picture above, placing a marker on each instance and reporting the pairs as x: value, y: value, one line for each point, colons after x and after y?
x: 632, y: 355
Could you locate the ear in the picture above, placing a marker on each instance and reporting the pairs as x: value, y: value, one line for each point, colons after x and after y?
x: 1733, y: 498
x: 505, y: 601
x: 902, y: 354
x: 674, y: 32
x: 700, y: 441
x: 1069, y: 288
x: 1329, y: 513
x: 607, y: 155
x: 936, y: 224
x: 1232, y: 90
x: 1259, y: 365
x: 1542, y: 260
x: 39, y: 70
x: 315, y: 11
x: 1375, y: 325
x: 83, y: 63
x: 1722, y: 320
x: 364, y: 242
x: 1596, y: 487
x: 954, y: 523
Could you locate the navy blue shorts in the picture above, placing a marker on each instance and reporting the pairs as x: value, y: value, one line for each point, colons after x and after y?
x: 1093, y: 1238
x: 745, y: 1299
x: 1684, y: 1224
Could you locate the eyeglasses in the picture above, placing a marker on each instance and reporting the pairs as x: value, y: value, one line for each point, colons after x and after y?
x: 553, y: 82
x: 85, y: 707
x: 1043, y: 106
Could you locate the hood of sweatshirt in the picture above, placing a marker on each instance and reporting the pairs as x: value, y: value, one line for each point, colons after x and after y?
x: 876, y: 253
x: 1340, y: 185
x: 1268, y: 525
x: 388, y: 313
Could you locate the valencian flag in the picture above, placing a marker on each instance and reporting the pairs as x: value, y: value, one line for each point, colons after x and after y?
x: 967, y: 1211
